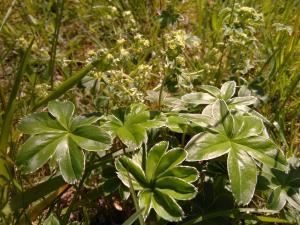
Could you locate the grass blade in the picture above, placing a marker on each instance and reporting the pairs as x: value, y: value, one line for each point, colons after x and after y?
x: 7, y: 14
x: 8, y: 115
x: 31, y: 195
x: 58, y: 19
x: 237, y: 213
x: 67, y: 84
x: 133, y: 217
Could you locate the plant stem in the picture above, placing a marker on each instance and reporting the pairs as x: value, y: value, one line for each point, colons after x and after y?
x: 237, y: 212
x: 134, y: 197
x: 67, y: 84
x: 7, y: 14
x: 219, y: 72
x: 58, y: 19
x: 9, y: 112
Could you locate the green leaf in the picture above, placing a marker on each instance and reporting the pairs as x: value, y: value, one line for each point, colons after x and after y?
x: 257, y: 147
x: 198, y: 98
x: 228, y: 90
x: 62, y: 111
x: 29, y: 196
x: 36, y: 151
x: 37, y: 123
x: 213, y: 94
x: 285, y: 189
x: 166, y: 207
x: 293, y: 177
x: 165, y: 182
x: 222, y: 114
x: 200, y: 120
x: 82, y: 121
x: 123, y: 176
x: 205, y: 146
x: 70, y: 159
x: 247, y: 126
x: 154, y: 156
x: 247, y: 100
x: 133, y: 136
x: 277, y: 199
x: 176, y: 123
x: 132, y: 132
x: 91, y: 138
x: 245, y: 139
x: 214, y: 91
x: 242, y: 175
x: 186, y: 173
x: 52, y: 137
x: 51, y: 220
x: 145, y: 201
x: 248, y: 111
x: 208, y: 111
x: 133, y: 169
x: 136, y: 116
x: 169, y: 160
x: 110, y: 186
x: 176, y: 188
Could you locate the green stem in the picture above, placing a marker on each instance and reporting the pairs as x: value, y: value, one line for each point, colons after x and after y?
x: 164, y: 78
x: 161, y: 91
x: 9, y: 112
x: 58, y: 19
x: 7, y: 14
x: 219, y: 72
x: 134, y: 197
x: 67, y: 84
x: 236, y: 213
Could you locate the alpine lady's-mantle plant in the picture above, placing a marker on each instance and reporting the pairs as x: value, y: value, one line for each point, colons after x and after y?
x: 285, y: 186
x: 59, y: 135
x: 161, y: 182
x: 210, y: 94
x: 132, y: 129
x: 228, y: 127
x: 245, y: 141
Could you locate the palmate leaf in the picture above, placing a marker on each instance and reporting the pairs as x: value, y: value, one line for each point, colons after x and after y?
x: 211, y: 94
x: 132, y: 131
x: 285, y: 187
x: 243, y: 139
x: 162, y: 183
x: 57, y: 134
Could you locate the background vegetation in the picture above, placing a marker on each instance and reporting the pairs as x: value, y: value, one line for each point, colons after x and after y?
x: 104, y: 56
